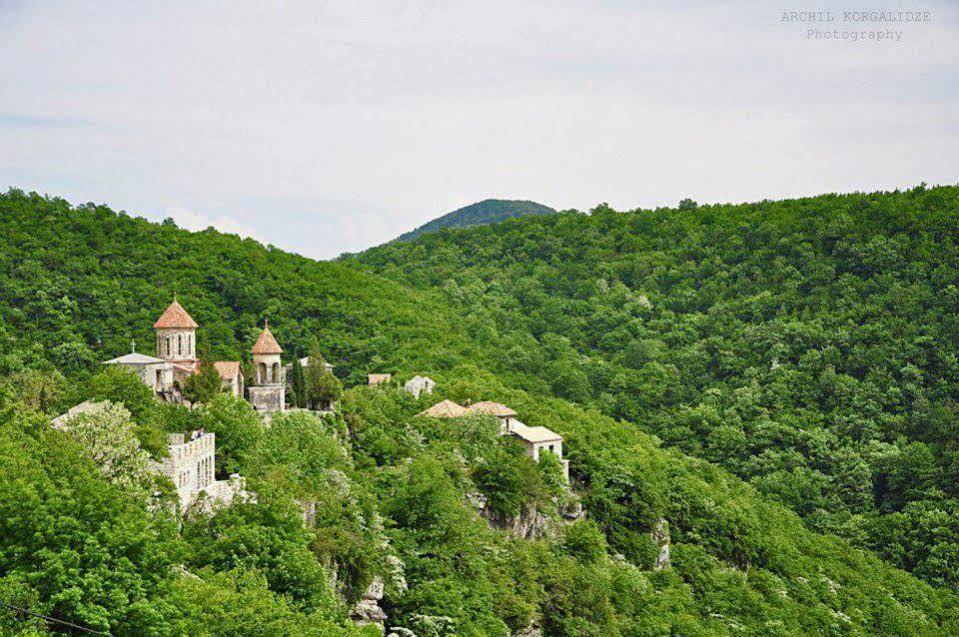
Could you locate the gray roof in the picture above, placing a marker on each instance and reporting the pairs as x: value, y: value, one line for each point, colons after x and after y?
x: 87, y: 405
x: 534, y: 434
x: 134, y: 358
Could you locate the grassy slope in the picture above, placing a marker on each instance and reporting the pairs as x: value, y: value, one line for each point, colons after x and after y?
x: 90, y: 278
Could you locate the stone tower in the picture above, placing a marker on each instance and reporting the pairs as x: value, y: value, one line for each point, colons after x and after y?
x: 176, y: 335
x: 268, y: 391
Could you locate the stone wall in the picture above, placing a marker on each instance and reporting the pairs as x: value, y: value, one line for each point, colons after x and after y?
x: 267, y: 398
x: 190, y: 465
x: 176, y: 344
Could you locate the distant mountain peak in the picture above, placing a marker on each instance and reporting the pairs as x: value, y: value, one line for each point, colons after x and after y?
x: 480, y: 213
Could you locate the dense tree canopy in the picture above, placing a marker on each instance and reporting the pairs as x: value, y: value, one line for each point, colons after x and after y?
x: 810, y: 346
x: 803, y: 350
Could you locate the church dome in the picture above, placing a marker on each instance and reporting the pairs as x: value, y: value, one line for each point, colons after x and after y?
x: 266, y: 344
x: 175, y: 317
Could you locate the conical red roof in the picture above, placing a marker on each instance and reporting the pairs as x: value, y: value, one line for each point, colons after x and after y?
x: 266, y: 344
x: 175, y: 317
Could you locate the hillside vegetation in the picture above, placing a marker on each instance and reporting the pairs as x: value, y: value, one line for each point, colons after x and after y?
x: 808, y: 346
x: 394, y: 493
x: 480, y: 213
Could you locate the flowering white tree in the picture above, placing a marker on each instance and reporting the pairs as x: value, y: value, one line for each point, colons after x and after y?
x: 106, y: 431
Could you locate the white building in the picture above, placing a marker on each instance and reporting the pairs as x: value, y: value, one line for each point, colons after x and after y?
x: 420, y: 385
x: 304, y: 363
x: 540, y: 439
x: 191, y: 464
x: 154, y: 372
x: 378, y: 379
x: 536, y: 440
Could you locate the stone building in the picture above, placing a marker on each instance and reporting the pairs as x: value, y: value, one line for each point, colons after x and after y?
x: 378, y: 379
x: 539, y: 439
x: 176, y: 357
x: 176, y: 339
x: 231, y: 373
x: 420, y: 385
x: 268, y: 393
x: 190, y: 464
x: 535, y: 440
x: 504, y: 414
x: 154, y: 372
x: 305, y: 363
x: 176, y: 343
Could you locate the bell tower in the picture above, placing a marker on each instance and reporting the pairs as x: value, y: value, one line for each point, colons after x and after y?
x: 268, y: 391
x: 176, y: 334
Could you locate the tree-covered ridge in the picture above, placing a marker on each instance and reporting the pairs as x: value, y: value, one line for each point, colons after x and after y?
x: 809, y: 346
x: 480, y: 213
x: 392, y: 495
x: 79, y: 282
x: 386, y: 484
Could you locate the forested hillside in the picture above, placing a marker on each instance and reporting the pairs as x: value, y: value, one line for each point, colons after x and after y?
x: 480, y: 213
x: 809, y: 346
x: 395, y: 493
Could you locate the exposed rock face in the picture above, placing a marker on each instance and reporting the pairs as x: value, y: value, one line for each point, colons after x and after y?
x: 367, y: 611
x: 572, y: 511
x: 530, y: 524
x: 660, y: 536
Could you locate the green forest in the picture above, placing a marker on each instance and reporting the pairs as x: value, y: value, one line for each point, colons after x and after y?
x: 777, y: 381
x: 807, y: 346
x: 480, y: 213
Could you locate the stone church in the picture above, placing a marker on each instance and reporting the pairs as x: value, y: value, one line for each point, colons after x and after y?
x: 176, y: 360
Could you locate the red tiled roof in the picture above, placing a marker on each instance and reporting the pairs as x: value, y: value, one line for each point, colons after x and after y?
x: 175, y: 317
x: 186, y: 366
x: 228, y: 370
x: 266, y: 344
x: 445, y: 409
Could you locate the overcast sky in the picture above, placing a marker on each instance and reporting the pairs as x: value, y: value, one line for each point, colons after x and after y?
x: 325, y: 127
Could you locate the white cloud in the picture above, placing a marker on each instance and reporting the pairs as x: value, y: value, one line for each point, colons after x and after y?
x: 328, y: 127
x: 196, y: 221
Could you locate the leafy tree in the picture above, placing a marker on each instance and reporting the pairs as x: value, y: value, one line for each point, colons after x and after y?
x: 202, y: 385
x: 107, y: 433
x: 322, y: 387
x: 584, y: 539
x: 238, y: 429
x: 87, y: 549
x: 122, y: 386
x: 509, y: 479
x: 298, y: 384
x: 240, y: 602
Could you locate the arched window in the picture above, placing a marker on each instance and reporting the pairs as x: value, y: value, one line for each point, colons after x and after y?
x: 179, y: 344
x: 276, y: 373
x: 261, y: 373
x: 169, y: 350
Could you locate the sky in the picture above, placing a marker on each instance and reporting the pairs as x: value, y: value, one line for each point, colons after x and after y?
x: 328, y: 127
